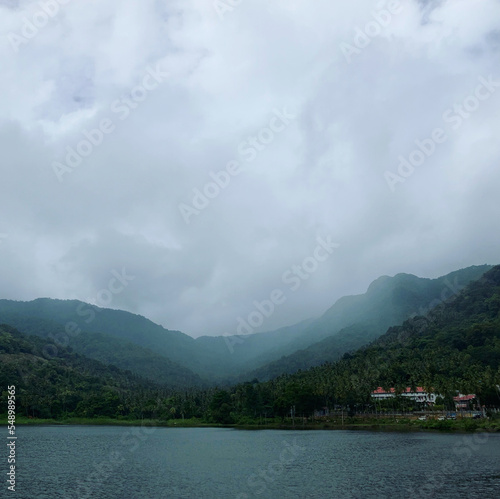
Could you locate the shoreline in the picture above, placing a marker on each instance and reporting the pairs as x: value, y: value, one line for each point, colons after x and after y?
x: 412, y: 426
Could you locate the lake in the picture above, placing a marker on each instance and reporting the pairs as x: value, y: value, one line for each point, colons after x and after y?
x: 112, y: 462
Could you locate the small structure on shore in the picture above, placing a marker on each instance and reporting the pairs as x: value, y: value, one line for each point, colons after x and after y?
x: 418, y: 395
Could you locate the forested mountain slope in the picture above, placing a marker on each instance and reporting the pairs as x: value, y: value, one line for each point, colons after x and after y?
x: 108, y: 350
x: 363, y: 318
x: 456, y: 346
x: 49, y: 385
x: 133, y: 342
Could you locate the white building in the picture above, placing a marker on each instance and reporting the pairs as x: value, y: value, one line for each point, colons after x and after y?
x: 420, y: 395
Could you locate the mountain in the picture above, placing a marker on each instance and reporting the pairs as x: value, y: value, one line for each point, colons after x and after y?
x: 453, y: 347
x: 389, y: 301
x: 354, y: 321
x: 53, y: 386
x: 105, y: 348
x: 243, y: 353
x: 133, y: 342
x: 100, y: 332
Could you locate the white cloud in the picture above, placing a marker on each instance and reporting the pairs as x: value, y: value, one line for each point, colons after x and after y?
x: 323, y: 175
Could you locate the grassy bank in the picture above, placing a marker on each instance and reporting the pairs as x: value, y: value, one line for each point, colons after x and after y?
x: 389, y: 424
x: 187, y: 423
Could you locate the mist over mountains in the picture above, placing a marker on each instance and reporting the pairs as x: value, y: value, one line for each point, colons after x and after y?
x: 134, y: 343
x: 454, y: 346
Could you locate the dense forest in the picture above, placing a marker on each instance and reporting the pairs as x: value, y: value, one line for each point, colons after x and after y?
x: 455, y: 347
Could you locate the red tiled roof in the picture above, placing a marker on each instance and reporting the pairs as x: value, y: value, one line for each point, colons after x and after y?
x: 381, y: 391
x: 464, y: 397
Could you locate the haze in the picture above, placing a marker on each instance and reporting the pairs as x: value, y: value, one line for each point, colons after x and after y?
x: 204, y: 151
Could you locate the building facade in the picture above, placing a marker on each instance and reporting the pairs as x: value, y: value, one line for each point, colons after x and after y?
x: 418, y: 395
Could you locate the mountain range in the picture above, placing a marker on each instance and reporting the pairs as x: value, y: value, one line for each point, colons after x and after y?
x: 133, y: 343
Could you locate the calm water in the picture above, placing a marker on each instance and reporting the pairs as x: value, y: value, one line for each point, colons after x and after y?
x: 152, y: 463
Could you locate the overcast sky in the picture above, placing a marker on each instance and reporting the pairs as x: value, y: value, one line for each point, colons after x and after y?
x: 309, y: 106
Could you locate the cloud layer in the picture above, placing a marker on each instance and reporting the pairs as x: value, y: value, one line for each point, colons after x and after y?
x: 118, y: 117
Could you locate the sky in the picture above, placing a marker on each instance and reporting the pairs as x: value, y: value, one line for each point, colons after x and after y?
x: 195, y: 161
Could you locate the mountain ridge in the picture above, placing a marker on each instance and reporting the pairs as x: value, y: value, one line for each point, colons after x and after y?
x: 349, y: 323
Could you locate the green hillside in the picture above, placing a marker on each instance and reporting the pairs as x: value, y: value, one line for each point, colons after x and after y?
x: 130, y: 341
x: 355, y: 321
x: 108, y: 350
x: 50, y: 386
x: 454, y: 347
